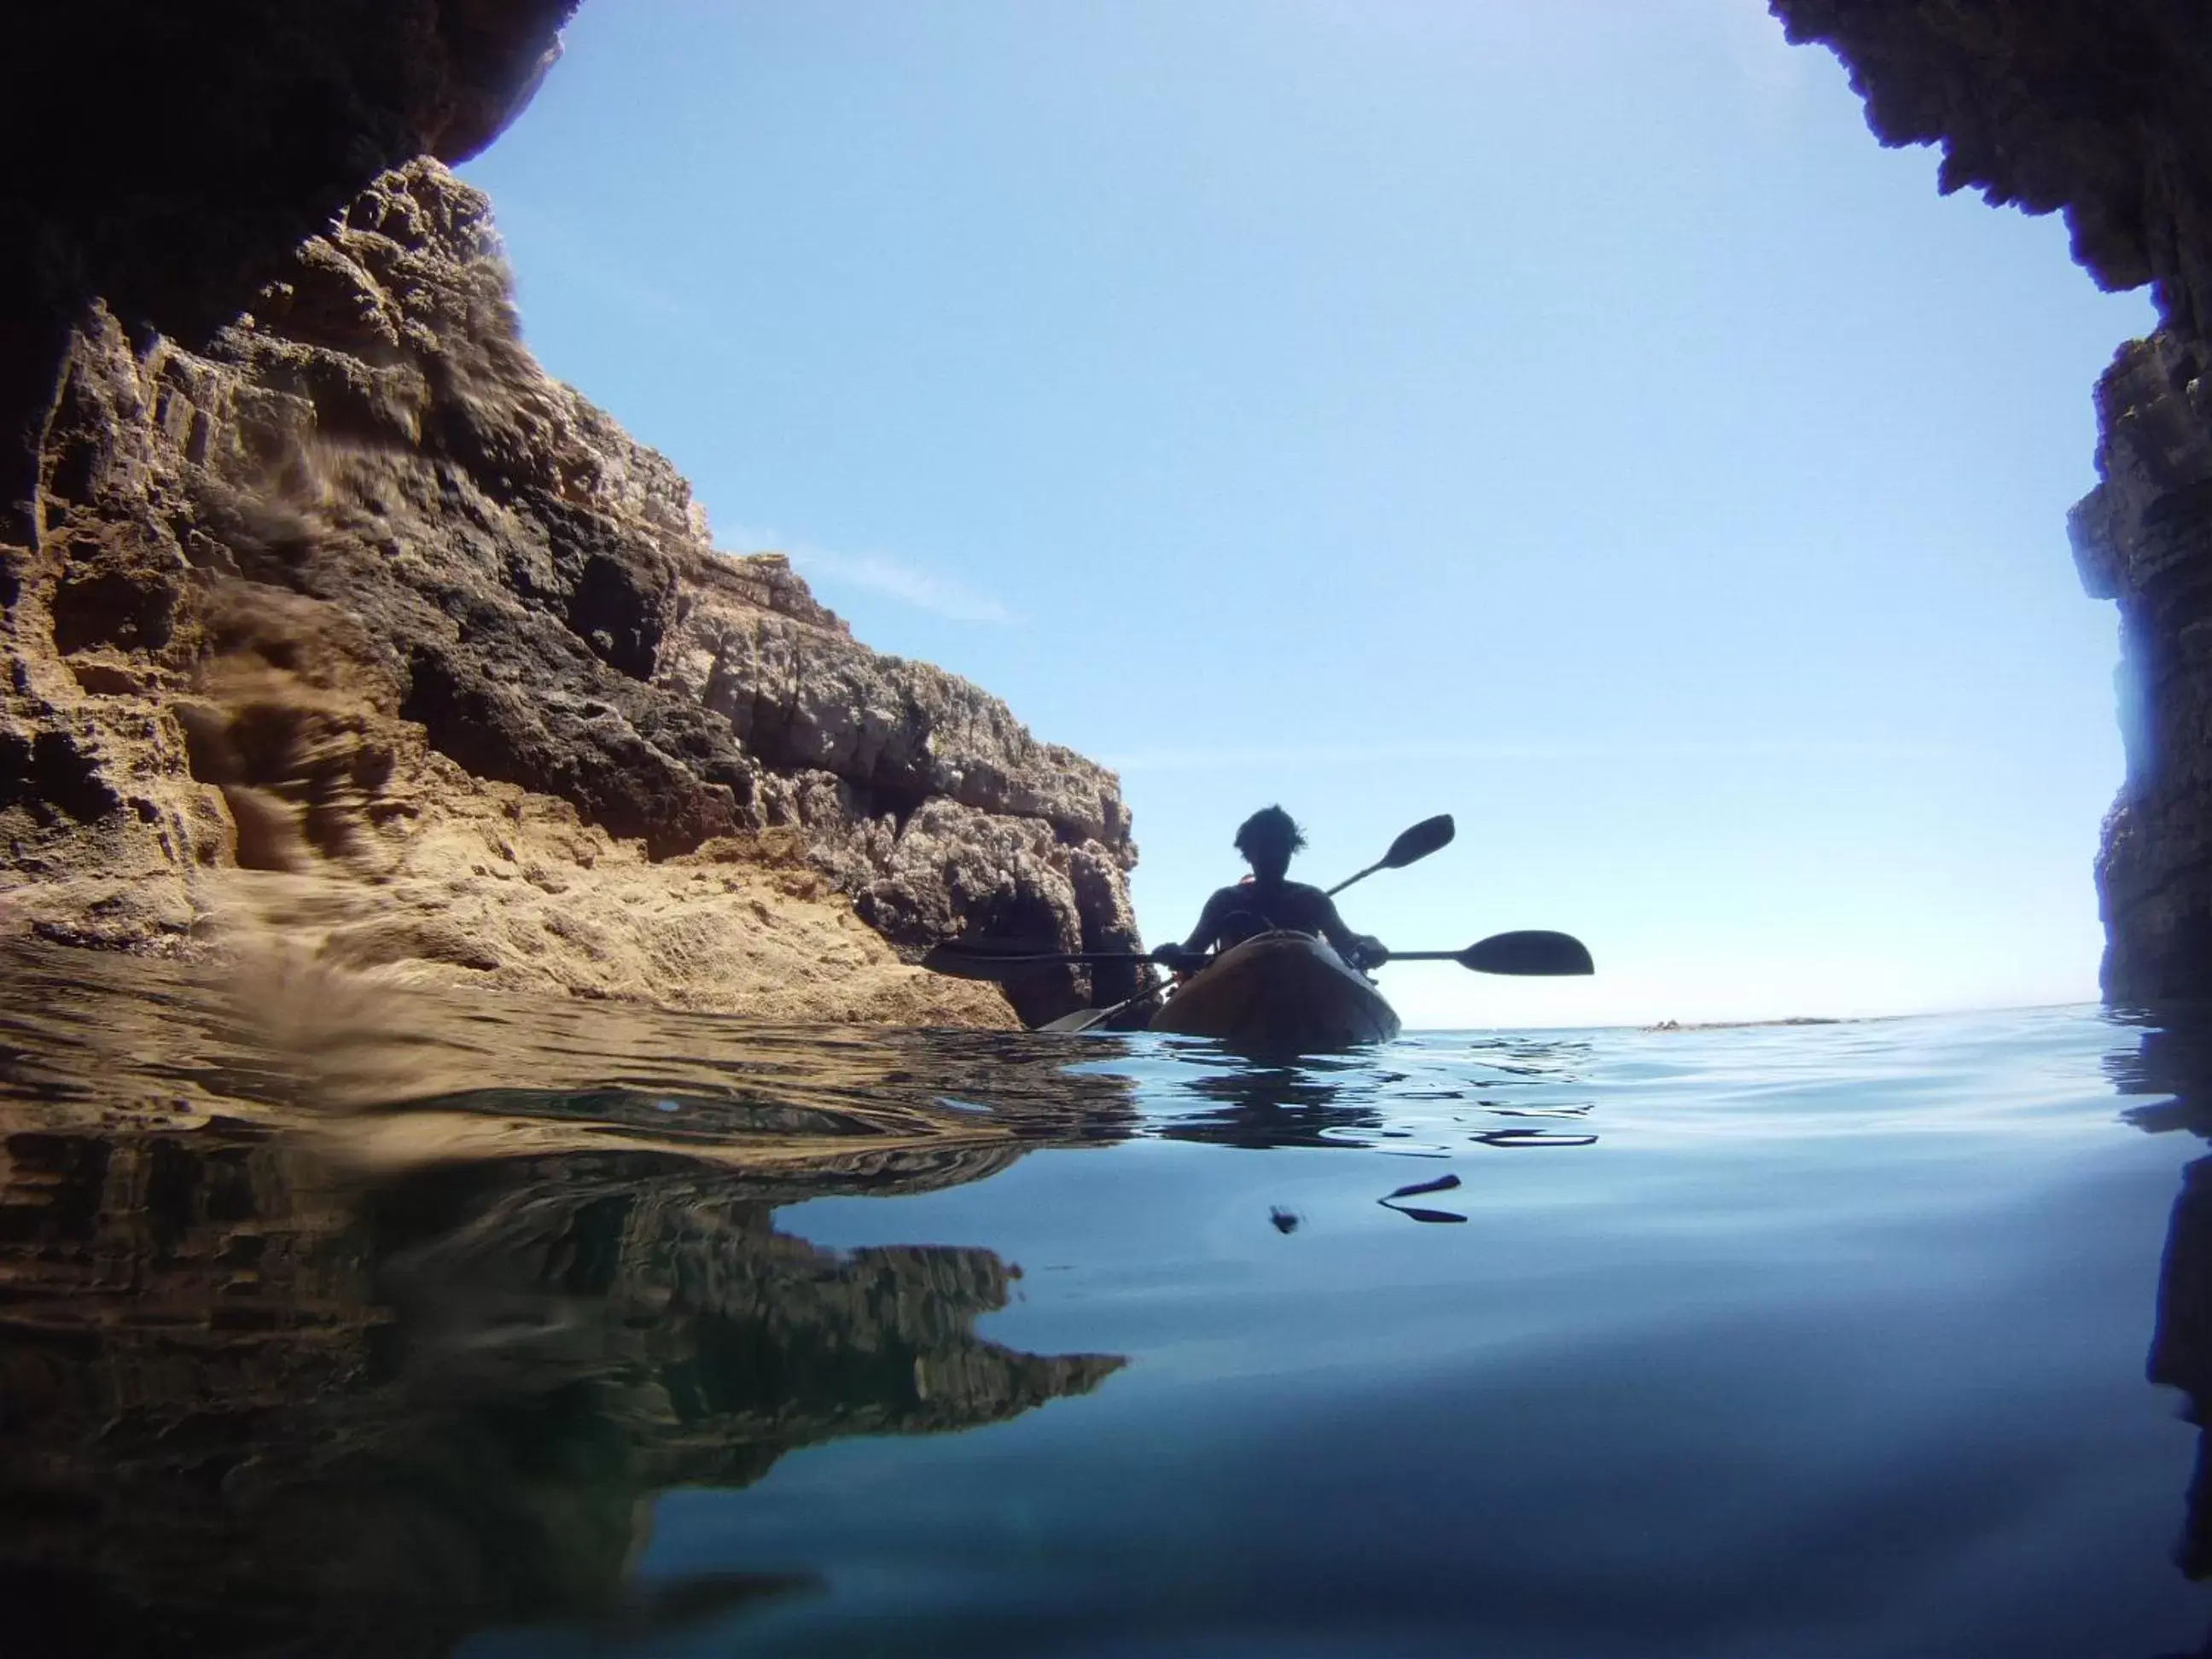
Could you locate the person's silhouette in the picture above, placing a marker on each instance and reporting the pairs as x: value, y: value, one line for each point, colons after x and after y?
x: 1268, y: 899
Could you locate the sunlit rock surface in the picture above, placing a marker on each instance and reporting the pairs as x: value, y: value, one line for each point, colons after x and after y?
x: 2101, y: 109
x: 356, y: 598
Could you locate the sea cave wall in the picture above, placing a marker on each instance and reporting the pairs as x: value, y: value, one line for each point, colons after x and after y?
x: 328, y: 612
x: 2101, y: 110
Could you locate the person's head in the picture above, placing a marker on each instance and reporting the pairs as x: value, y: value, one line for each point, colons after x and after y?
x: 1267, y: 839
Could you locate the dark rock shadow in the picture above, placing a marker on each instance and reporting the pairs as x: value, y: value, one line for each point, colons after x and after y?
x: 2177, y: 1061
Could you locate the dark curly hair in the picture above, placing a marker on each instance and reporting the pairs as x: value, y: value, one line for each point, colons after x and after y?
x: 1270, y: 828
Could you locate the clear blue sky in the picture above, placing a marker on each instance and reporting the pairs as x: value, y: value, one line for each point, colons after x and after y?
x: 1564, y: 415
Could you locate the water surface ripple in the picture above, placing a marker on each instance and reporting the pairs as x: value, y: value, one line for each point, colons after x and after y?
x: 346, y: 1318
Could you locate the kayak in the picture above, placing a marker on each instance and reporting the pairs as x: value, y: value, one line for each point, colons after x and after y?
x: 1283, y: 993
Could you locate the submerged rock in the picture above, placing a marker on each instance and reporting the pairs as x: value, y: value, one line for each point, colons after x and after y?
x: 356, y: 623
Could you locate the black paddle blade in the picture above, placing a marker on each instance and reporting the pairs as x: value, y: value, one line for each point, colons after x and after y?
x: 1001, y: 947
x: 988, y: 958
x: 1000, y: 959
x: 1528, y: 954
x: 1441, y: 1184
x: 1427, y: 836
x: 956, y: 965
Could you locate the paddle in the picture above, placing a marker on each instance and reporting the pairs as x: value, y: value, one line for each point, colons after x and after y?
x: 1417, y: 843
x: 1003, y: 959
x: 1089, y: 1019
x: 1530, y: 954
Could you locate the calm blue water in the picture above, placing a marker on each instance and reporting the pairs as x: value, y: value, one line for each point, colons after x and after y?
x: 1825, y: 1340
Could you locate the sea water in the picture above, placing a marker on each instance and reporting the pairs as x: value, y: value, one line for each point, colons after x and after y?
x: 412, y: 1326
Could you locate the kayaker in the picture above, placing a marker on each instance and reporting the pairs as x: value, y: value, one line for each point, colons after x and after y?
x: 1270, y: 900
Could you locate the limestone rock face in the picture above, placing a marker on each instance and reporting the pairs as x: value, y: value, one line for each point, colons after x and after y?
x: 355, y: 616
x: 2144, y: 537
x: 2101, y: 109
x: 2097, y: 108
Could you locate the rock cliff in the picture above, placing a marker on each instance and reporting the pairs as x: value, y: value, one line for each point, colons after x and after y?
x: 354, y: 622
x: 2101, y: 109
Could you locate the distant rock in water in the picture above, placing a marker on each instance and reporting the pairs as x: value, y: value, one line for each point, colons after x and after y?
x: 357, y: 625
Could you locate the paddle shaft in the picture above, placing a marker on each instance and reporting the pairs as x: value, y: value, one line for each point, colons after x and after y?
x: 985, y: 965
x: 1411, y: 847
x: 1158, y: 987
x: 1038, y: 959
x: 1362, y: 876
x: 1100, y: 1015
x: 978, y: 961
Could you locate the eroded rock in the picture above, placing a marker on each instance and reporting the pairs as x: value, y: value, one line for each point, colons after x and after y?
x: 356, y: 585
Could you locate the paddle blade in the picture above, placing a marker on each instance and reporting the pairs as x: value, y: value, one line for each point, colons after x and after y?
x: 1428, y: 835
x: 988, y: 958
x: 954, y: 965
x: 1528, y: 954
x: 1081, y: 1020
x: 1441, y: 1184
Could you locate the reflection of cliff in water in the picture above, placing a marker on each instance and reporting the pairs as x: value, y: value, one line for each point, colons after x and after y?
x: 243, y: 1410
x: 87, y: 1041
x: 2178, y: 1062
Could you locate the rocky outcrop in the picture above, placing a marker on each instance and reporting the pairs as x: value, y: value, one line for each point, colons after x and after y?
x: 355, y: 622
x: 2144, y: 539
x: 2101, y: 109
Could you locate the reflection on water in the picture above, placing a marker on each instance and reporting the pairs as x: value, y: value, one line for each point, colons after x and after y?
x: 310, y: 1369
x: 339, y: 1320
x: 246, y: 1408
x: 2175, y: 1066
x: 382, y: 1072
x: 1438, y: 1093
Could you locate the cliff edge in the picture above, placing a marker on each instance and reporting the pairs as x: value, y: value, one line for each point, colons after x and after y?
x: 351, y: 622
x: 2102, y: 110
